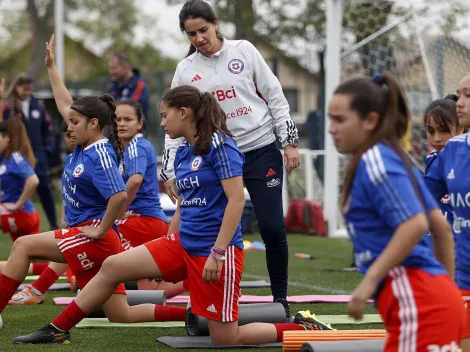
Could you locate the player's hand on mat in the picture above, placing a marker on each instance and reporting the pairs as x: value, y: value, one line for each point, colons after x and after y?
x: 212, y: 270
x: 361, y: 294
x: 90, y: 232
x: 291, y: 158
x: 49, y: 61
x: 170, y: 187
x: 11, y: 207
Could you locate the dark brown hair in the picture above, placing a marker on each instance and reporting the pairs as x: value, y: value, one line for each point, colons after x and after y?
x: 444, y: 113
x: 19, y: 140
x: 103, y: 109
x: 138, y: 111
x: 210, y: 117
x: 12, y: 96
x: 197, y: 9
x: 383, y: 96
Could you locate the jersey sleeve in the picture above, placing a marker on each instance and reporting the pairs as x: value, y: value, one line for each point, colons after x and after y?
x: 434, y: 175
x: 388, y: 185
x: 270, y: 89
x: 226, y: 159
x: 22, y: 168
x: 137, y: 160
x: 106, y: 177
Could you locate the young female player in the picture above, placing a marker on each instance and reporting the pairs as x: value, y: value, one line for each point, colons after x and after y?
x: 442, y: 123
x: 94, y: 195
x: 34, y: 293
x: 388, y: 210
x: 18, y: 217
x: 251, y: 96
x: 449, y: 175
x: 208, y: 249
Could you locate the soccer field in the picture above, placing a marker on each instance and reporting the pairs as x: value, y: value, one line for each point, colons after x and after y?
x: 316, y: 276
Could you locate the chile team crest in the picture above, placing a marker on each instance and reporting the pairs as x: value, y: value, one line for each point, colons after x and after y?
x: 196, y: 164
x: 78, y: 170
x: 236, y: 66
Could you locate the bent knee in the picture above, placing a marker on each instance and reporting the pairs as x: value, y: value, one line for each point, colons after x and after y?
x: 118, y: 316
x: 111, y: 267
x: 21, y: 244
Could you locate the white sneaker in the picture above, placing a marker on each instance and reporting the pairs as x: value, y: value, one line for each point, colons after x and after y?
x: 28, y: 296
x: 1, y: 321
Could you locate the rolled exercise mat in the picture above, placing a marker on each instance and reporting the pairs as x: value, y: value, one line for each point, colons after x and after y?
x: 205, y: 342
x: 247, y: 313
x: 344, y: 346
x: 294, y: 340
x: 135, y: 297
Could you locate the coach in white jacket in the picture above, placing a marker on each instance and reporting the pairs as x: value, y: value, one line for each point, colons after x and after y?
x: 250, y: 94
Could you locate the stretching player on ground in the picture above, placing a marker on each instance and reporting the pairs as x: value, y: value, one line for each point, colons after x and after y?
x: 449, y: 175
x: 208, y: 249
x: 388, y: 210
x: 94, y: 196
x: 251, y: 96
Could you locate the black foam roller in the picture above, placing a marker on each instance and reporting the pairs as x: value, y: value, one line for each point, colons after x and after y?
x: 344, y: 346
x: 135, y: 297
x: 247, y: 313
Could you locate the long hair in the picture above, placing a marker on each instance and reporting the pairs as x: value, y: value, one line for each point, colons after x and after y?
x: 103, y: 109
x: 19, y: 141
x: 210, y: 117
x: 138, y: 111
x: 384, y: 96
x: 11, y: 95
x: 444, y: 113
x: 197, y: 9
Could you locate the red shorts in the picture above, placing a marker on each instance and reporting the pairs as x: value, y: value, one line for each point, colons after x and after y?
x: 215, y: 301
x: 20, y: 223
x: 135, y: 231
x: 466, y: 302
x: 421, y: 312
x: 85, y: 256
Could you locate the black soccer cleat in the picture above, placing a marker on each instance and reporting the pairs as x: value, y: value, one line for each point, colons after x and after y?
x: 283, y: 301
x: 47, y: 334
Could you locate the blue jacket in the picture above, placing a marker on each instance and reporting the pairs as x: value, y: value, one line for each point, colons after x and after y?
x: 40, y: 132
x: 135, y: 88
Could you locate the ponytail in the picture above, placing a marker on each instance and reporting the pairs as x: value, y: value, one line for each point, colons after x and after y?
x: 109, y: 100
x: 209, y: 116
x: 383, y: 96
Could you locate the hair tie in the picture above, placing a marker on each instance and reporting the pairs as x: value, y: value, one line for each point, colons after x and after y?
x: 452, y: 97
x: 201, y: 95
x: 379, y: 80
x: 103, y: 98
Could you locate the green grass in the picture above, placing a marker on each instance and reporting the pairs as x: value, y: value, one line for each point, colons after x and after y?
x: 305, y: 277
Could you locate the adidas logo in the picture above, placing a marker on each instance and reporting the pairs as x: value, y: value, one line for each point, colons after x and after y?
x: 451, y: 175
x: 212, y: 309
x: 196, y: 78
x: 270, y: 173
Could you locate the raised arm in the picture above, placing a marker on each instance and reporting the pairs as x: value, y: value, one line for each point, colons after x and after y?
x: 62, y: 97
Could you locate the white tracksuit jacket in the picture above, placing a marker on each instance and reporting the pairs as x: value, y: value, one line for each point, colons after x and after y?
x: 248, y: 92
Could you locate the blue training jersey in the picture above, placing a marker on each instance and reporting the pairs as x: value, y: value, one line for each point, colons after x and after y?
x: 448, y: 174
x: 382, y: 197
x: 13, y: 174
x: 140, y: 158
x: 198, y: 181
x: 90, y: 178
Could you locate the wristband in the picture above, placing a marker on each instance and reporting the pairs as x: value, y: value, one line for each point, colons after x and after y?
x: 218, y: 250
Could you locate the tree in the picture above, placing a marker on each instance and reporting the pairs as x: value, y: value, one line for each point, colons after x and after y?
x: 108, y: 22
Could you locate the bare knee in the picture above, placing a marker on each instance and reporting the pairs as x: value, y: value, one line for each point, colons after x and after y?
x: 118, y: 316
x: 21, y: 245
x: 224, y: 337
x: 110, y: 269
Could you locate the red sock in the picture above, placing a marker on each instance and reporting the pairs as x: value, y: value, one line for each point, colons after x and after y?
x: 281, y: 327
x: 39, y: 267
x: 69, y: 317
x: 8, y: 288
x: 47, y: 278
x: 169, y: 313
x: 186, y: 285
